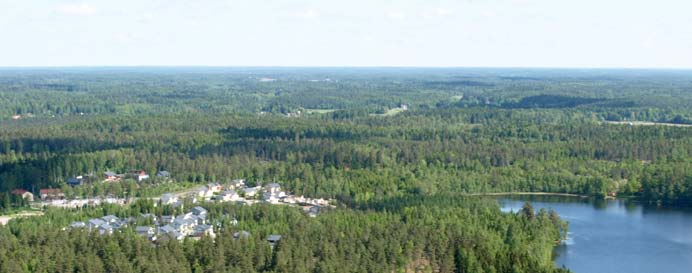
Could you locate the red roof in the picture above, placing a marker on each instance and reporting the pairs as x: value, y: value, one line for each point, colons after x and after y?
x: 19, y: 191
x: 50, y: 191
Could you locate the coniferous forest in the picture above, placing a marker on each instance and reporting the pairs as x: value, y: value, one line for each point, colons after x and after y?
x: 404, y: 152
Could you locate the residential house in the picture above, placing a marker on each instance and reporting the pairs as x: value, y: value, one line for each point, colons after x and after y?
x: 241, y: 234
x: 272, y: 188
x: 76, y: 181
x: 76, y: 225
x: 215, y: 187
x: 26, y: 195
x: 168, y: 199
x: 273, y: 240
x: 105, y: 229
x: 251, y: 192
x: 95, y: 223
x: 166, y: 229
x: 204, y: 193
x: 236, y: 184
x: 110, y: 219
x: 184, y: 226
x: 51, y: 194
x: 314, y: 210
x: 111, y: 177
x: 199, y: 211
x: 176, y: 235
x: 178, y: 204
x: 204, y: 230
x: 270, y: 198
x: 140, y: 175
x: 228, y: 196
x: 145, y: 230
x: 167, y: 219
x: 163, y: 174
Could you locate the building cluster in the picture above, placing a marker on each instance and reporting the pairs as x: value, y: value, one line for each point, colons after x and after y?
x: 238, y: 191
x: 104, y: 225
x: 193, y: 224
x: 109, y: 176
x: 81, y: 202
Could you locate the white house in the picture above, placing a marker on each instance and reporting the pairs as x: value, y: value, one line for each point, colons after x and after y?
x: 168, y: 199
x: 229, y: 196
x: 273, y: 188
x: 215, y: 187
x: 251, y: 192
x: 236, y: 184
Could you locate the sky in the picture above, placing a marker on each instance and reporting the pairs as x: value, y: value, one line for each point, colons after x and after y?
x: 430, y: 33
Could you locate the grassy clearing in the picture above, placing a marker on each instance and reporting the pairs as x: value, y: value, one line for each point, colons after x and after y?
x: 319, y: 111
x: 647, y: 123
x: 390, y: 112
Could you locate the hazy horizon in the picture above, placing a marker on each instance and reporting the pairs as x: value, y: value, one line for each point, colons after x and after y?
x: 588, y: 34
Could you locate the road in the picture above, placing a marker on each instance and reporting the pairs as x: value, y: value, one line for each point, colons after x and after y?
x: 6, y: 218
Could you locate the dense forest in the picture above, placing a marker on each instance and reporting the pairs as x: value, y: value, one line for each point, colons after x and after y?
x: 374, y: 139
x: 434, y: 234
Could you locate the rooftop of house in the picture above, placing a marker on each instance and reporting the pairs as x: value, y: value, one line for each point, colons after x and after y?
x: 142, y: 229
x: 77, y: 224
x: 274, y: 238
x: 242, y: 233
x: 19, y: 191
x: 273, y: 185
x: 250, y: 190
x: 110, y: 218
x: 199, y: 210
x: 50, y: 191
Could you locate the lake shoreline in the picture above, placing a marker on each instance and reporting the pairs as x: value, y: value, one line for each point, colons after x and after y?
x: 528, y: 193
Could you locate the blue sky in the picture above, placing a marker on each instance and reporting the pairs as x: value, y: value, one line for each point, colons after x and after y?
x: 468, y: 33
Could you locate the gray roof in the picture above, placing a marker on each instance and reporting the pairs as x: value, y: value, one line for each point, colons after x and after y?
x: 167, y: 229
x: 143, y: 229
x: 163, y: 173
x: 202, y: 227
x: 106, y: 227
x: 109, y: 173
x: 242, y: 233
x: 96, y: 222
x: 77, y: 225
x: 198, y: 210
x: 110, y: 218
x: 274, y: 238
x: 273, y: 185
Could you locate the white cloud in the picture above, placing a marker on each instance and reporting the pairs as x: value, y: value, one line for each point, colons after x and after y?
x: 488, y: 14
x: 396, y: 15
x: 77, y: 9
x: 306, y: 14
x: 438, y: 12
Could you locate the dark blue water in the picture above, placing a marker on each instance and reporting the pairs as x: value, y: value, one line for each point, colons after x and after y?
x: 618, y: 236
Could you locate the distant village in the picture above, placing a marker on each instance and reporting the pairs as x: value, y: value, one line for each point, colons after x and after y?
x: 193, y: 223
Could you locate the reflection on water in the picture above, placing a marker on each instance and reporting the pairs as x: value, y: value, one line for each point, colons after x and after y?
x: 616, y: 235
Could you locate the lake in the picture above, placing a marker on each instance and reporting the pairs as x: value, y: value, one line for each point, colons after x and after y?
x: 617, y: 235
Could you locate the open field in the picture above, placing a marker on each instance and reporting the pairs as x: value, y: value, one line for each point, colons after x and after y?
x: 647, y: 123
x: 4, y: 219
x: 319, y: 111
